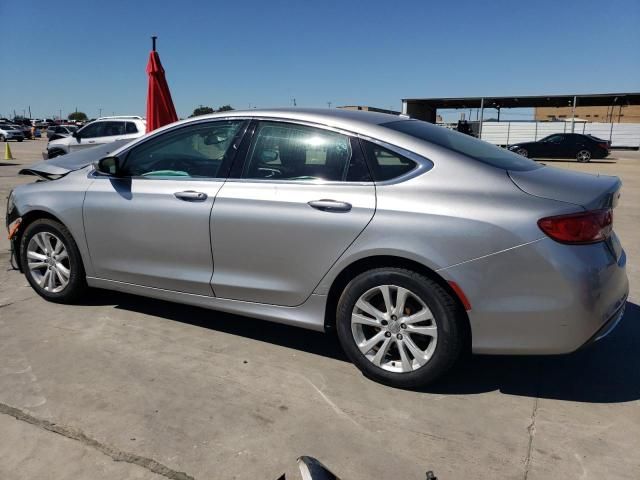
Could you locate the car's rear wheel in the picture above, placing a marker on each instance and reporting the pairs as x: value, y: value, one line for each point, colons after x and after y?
x: 523, y: 152
x: 399, y: 327
x: 51, y: 261
x: 583, y: 156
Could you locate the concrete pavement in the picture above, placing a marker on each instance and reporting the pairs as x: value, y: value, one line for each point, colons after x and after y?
x: 128, y: 387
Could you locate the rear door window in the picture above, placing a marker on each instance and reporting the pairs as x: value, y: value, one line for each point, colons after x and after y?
x: 111, y: 129
x: 287, y: 151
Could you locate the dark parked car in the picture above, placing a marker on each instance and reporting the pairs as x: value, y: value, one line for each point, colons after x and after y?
x: 25, y: 125
x: 60, y: 131
x: 565, y: 145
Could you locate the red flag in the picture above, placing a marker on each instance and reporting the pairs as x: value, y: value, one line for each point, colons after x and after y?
x: 160, y: 109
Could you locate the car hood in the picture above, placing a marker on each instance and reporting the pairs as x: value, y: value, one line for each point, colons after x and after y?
x: 64, y: 164
x: 588, y: 191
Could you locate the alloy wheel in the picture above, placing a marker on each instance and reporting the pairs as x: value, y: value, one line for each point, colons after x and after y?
x: 394, y: 329
x: 523, y: 152
x: 48, y: 262
x: 583, y: 156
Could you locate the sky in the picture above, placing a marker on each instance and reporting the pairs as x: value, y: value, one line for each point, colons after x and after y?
x: 92, y: 54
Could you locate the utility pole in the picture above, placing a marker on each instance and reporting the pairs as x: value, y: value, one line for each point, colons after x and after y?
x: 60, y: 111
x: 29, y: 111
x: 294, y: 102
x: 329, y: 104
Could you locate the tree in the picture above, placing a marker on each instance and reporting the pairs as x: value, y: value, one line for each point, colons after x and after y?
x: 78, y: 116
x: 225, y: 108
x: 201, y: 110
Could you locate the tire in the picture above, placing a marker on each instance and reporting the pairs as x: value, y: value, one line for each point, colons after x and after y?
x: 583, y: 156
x: 426, y: 298
x: 39, y: 238
x: 2, y: 139
x: 523, y: 152
x: 20, y: 139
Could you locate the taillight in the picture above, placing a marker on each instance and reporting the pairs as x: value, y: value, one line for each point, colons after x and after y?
x: 604, y: 145
x: 579, y: 228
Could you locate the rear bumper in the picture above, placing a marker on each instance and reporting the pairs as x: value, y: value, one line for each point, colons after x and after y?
x: 609, y: 326
x: 543, y: 297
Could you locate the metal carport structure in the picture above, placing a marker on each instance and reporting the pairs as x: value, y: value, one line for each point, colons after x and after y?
x: 426, y: 108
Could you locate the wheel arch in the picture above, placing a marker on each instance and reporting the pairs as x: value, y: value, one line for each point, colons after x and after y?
x: 27, y: 219
x: 379, y: 261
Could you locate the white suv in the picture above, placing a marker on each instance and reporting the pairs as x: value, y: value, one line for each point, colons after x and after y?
x: 98, y: 132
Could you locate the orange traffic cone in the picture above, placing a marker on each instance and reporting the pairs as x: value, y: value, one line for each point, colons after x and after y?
x: 7, y: 152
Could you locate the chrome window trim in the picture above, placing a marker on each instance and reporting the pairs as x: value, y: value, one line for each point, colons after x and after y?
x: 424, y: 164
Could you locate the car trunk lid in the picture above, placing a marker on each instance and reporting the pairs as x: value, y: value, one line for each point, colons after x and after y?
x: 592, y: 192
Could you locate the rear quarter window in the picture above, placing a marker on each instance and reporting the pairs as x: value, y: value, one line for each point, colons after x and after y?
x: 464, y: 144
x: 385, y: 164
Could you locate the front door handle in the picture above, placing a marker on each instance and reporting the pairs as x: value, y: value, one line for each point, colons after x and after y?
x: 330, y: 205
x: 191, y: 196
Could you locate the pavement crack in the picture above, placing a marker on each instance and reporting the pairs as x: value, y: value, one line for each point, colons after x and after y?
x: 532, y: 432
x: 79, y: 436
x: 3, y: 305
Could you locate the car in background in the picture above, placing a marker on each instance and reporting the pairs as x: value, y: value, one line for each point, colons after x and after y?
x: 413, y: 242
x: 564, y: 145
x: 10, y: 132
x: 103, y: 130
x: 60, y: 131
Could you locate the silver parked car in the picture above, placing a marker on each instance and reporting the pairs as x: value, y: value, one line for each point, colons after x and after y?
x: 413, y: 242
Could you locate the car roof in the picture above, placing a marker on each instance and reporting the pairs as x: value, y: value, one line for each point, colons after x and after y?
x: 325, y: 116
x: 357, y: 121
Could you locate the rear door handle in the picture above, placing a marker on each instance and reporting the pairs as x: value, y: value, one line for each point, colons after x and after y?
x: 191, y: 196
x: 330, y: 205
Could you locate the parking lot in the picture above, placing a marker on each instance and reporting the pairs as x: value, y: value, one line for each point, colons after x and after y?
x: 128, y: 387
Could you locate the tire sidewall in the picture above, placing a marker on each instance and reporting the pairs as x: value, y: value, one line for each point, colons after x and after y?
x: 430, y: 293
x: 77, y: 276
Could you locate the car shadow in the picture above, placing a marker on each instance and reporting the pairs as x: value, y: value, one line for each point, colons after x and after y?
x: 605, y: 372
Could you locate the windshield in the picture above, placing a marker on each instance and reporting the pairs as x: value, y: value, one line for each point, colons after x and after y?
x: 464, y: 144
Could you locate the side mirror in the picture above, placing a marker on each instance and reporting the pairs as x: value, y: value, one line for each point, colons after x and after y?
x: 75, y: 135
x: 108, y: 166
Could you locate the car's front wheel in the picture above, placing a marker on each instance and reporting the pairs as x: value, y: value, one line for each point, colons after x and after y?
x: 51, y: 261
x: 523, y: 152
x: 583, y: 156
x: 399, y: 327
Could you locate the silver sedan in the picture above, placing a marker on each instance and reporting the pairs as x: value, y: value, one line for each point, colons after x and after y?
x: 413, y: 242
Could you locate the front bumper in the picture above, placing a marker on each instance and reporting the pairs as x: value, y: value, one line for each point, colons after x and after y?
x: 543, y: 297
